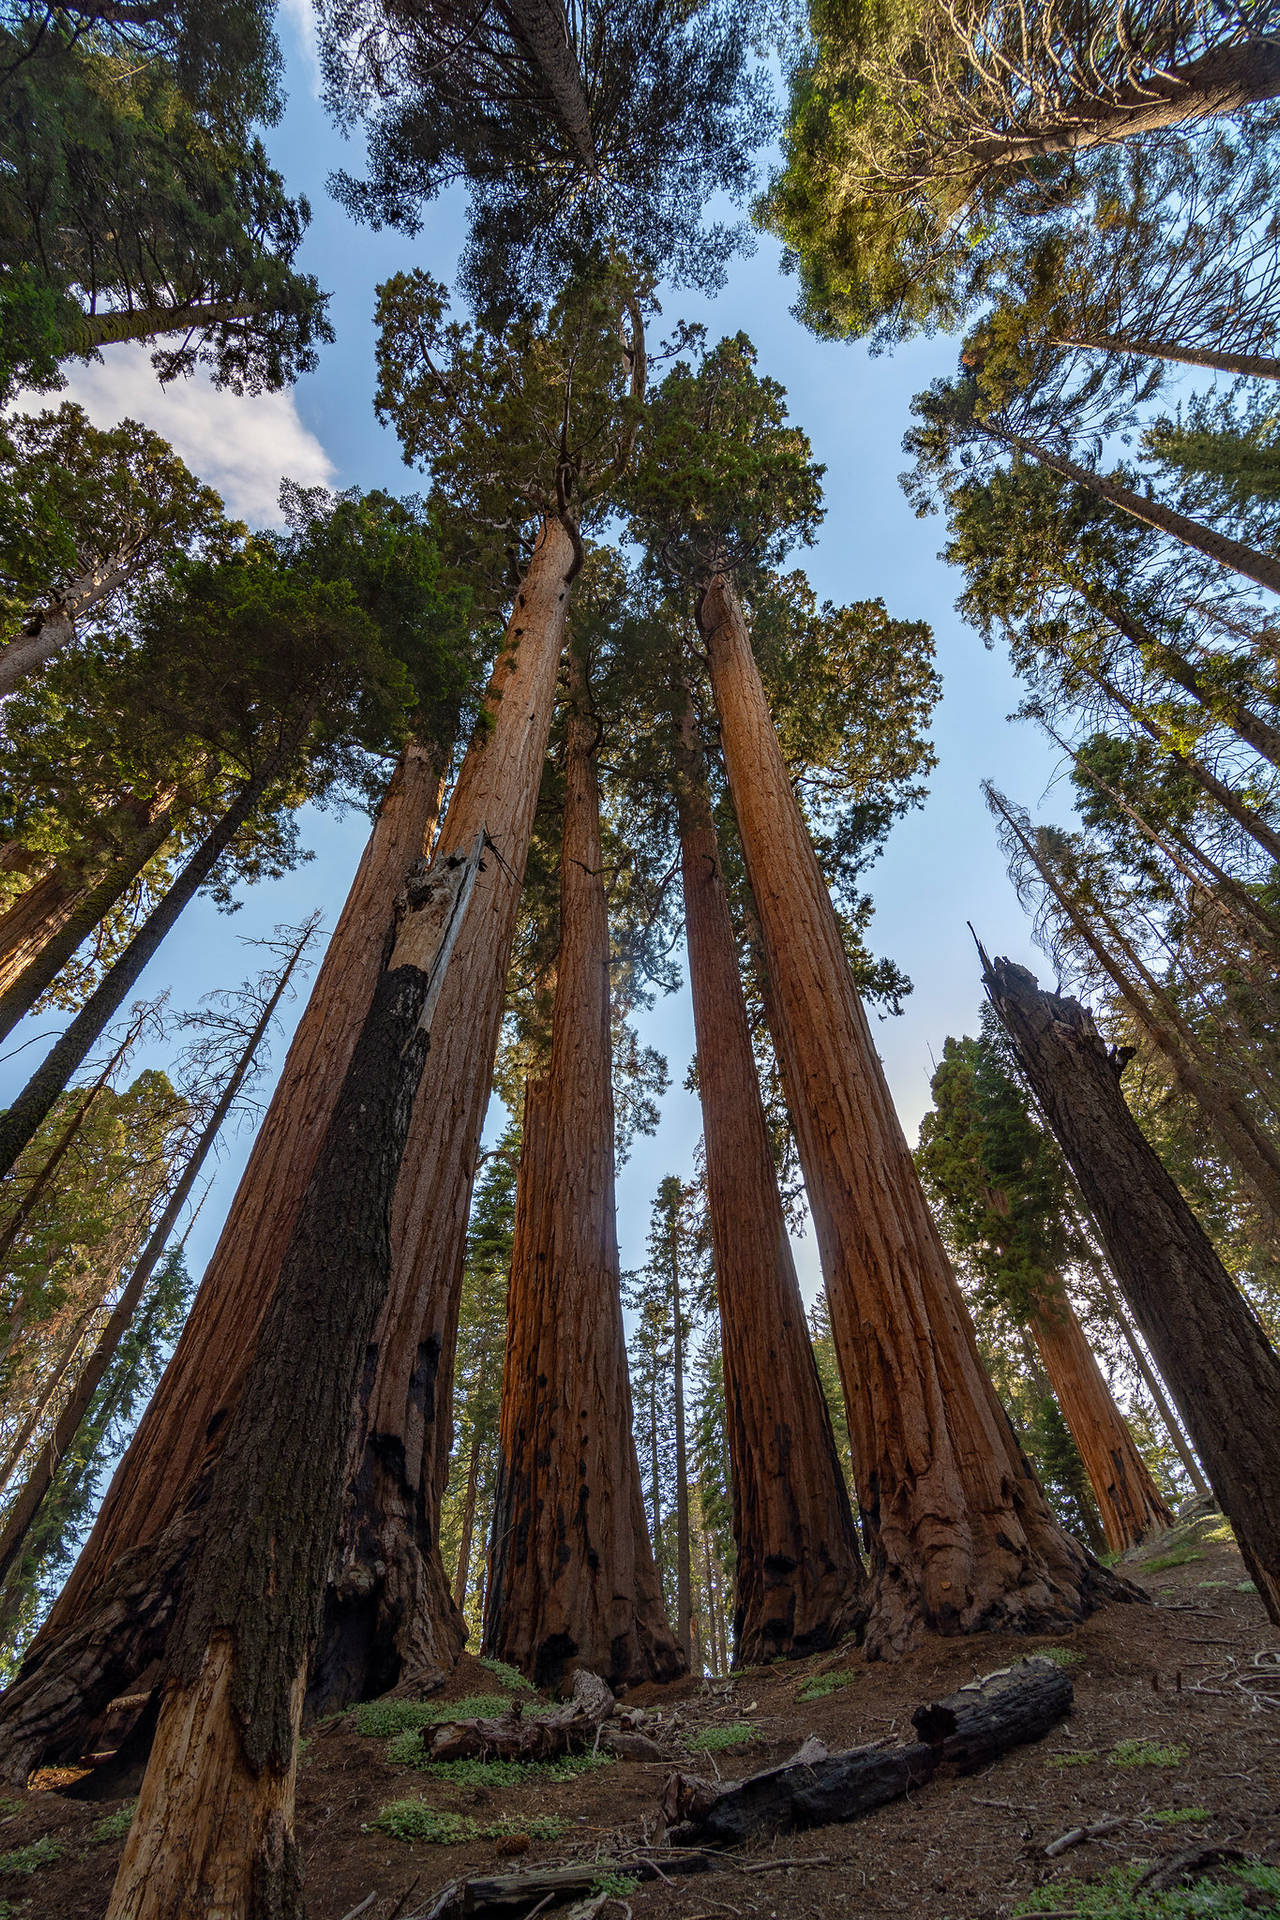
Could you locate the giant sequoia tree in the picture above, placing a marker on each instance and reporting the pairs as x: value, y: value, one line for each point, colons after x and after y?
x: 959, y: 1533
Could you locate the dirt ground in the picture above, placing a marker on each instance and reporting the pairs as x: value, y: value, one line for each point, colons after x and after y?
x: 1198, y: 1670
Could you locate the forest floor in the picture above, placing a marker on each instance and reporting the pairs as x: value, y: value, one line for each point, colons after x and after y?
x: 1174, y: 1740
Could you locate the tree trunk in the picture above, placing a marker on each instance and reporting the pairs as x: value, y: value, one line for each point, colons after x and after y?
x: 540, y: 29
x: 92, y: 1647
x: 390, y: 1613
x: 468, y: 1523
x: 36, y: 915
x: 18, y: 1126
x: 1252, y: 366
x: 144, y: 323
x: 75, y: 918
x: 1222, y: 1370
x: 799, y: 1578
x: 1227, y: 80
x: 53, y: 627
x: 216, y: 1808
x: 684, y: 1561
x: 1173, y: 1425
x: 960, y: 1536
x: 1235, y: 555
x: 573, y: 1582
x: 29, y: 1501
x: 1128, y: 1500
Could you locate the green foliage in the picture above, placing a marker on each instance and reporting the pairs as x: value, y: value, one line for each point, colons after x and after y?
x: 1182, y: 1557
x: 29, y: 1859
x: 1076, y: 1757
x: 378, y: 1718
x: 413, y: 1820
x: 1232, y: 1894
x: 113, y: 1826
x: 1180, y: 1816
x: 721, y: 1739
x: 507, y: 1675
x: 619, y: 1886
x: 1146, y: 1753
x: 819, y: 1685
x: 1060, y: 1656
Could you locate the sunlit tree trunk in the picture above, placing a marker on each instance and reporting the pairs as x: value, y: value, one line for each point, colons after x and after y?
x: 1206, y: 1341
x: 573, y: 1582
x: 1250, y: 366
x: 799, y: 1579
x: 960, y: 1536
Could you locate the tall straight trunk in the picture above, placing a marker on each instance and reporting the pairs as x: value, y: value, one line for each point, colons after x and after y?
x: 36, y: 915
x: 40, y: 1479
x: 1225, y: 80
x: 1127, y: 1496
x: 81, y: 917
x: 541, y: 30
x: 1219, y: 1364
x: 684, y: 1562
x: 143, y: 323
x: 215, y: 1813
x: 1172, y: 1422
x: 572, y: 1581
x: 799, y: 1578
x: 655, y: 1469
x: 1235, y: 555
x: 961, y: 1537
x: 1251, y: 366
x: 463, y: 1573
x: 390, y: 1613
x: 18, y: 1126
x: 60, y: 1693
x: 53, y: 626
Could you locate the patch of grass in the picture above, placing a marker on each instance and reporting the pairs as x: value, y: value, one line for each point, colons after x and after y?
x: 1221, y: 1535
x: 508, y: 1676
x: 1113, y: 1897
x: 1083, y: 1757
x: 1212, y: 1583
x: 720, y: 1739
x: 1245, y: 1586
x: 113, y: 1826
x: 380, y: 1718
x: 407, y: 1750
x: 1146, y: 1753
x: 1060, y: 1656
x: 1181, y: 1816
x: 1180, y: 1557
x: 412, y: 1820
x: 29, y: 1859
x: 617, y: 1885
x: 822, y: 1684
x: 570, y: 1765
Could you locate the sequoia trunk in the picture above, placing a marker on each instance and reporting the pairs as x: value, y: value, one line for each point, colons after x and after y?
x: 572, y: 1579
x: 960, y: 1536
x: 1221, y: 1368
x: 1130, y: 1505
x: 799, y: 1578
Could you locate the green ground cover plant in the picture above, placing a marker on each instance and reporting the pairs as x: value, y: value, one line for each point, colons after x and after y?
x: 1116, y: 1897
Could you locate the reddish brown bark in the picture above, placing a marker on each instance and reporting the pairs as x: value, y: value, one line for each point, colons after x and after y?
x: 1128, y: 1500
x: 35, y: 917
x: 573, y: 1582
x: 960, y: 1536
x: 391, y: 1615
x: 799, y: 1579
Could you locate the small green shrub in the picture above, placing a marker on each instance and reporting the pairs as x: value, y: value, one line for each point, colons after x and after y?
x: 1083, y: 1757
x: 1060, y: 1656
x: 1180, y: 1557
x: 617, y: 1885
x: 720, y: 1739
x: 1181, y: 1816
x: 1113, y: 1897
x: 539, y: 1826
x: 414, y: 1820
x: 29, y: 1859
x: 824, y: 1683
x: 1146, y: 1753
x: 1220, y: 1535
x: 1246, y: 1586
x: 114, y: 1826
x: 508, y: 1676
x: 570, y: 1765
x: 380, y: 1718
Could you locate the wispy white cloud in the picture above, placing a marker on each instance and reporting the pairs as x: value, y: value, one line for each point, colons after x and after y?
x: 242, y: 445
x: 301, y: 18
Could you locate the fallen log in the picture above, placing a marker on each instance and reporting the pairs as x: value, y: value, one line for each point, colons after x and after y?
x: 517, y: 1735
x: 515, y: 1892
x: 961, y: 1733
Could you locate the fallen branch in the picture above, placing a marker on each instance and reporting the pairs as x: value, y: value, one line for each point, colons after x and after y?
x: 964, y: 1732
x: 1077, y: 1835
x: 510, y: 1892
x: 515, y: 1735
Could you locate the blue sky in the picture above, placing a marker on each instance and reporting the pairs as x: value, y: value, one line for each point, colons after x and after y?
x: 941, y: 867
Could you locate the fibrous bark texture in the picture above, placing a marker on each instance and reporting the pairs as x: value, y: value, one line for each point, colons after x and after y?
x: 960, y: 1536
x: 573, y: 1583
x: 390, y: 1613
x: 1221, y: 1369
x: 799, y: 1579
x: 1128, y: 1500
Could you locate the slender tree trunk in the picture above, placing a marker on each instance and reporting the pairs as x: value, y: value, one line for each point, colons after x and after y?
x: 53, y: 627
x: 1252, y: 366
x: 216, y: 1809
x: 541, y: 30
x: 1173, y: 1425
x: 960, y: 1535
x: 684, y: 1561
x: 1226, y: 80
x: 18, y: 1126
x: 29, y: 1501
x: 468, y: 1523
x: 93, y: 1645
x: 799, y: 1578
x: 73, y: 926
x: 143, y: 323
x: 1235, y: 555
x: 573, y: 1582
x: 391, y: 1615
x: 1128, y: 1500
x: 1206, y: 1341
x: 655, y: 1469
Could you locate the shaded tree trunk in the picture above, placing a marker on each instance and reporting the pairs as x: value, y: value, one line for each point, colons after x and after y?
x: 1131, y: 1507
x: 1205, y: 1339
x: 799, y: 1578
x: 1252, y: 366
x: 960, y: 1535
x: 390, y: 1614
x: 94, y: 1645
x: 216, y: 1808
x: 40, y: 1479
x: 541, y: 30
x: 468, y: 1523
x: 1173, y: 1423
x: 572, y: 1580
x: 143, y: 323
x: 684, y: 1562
